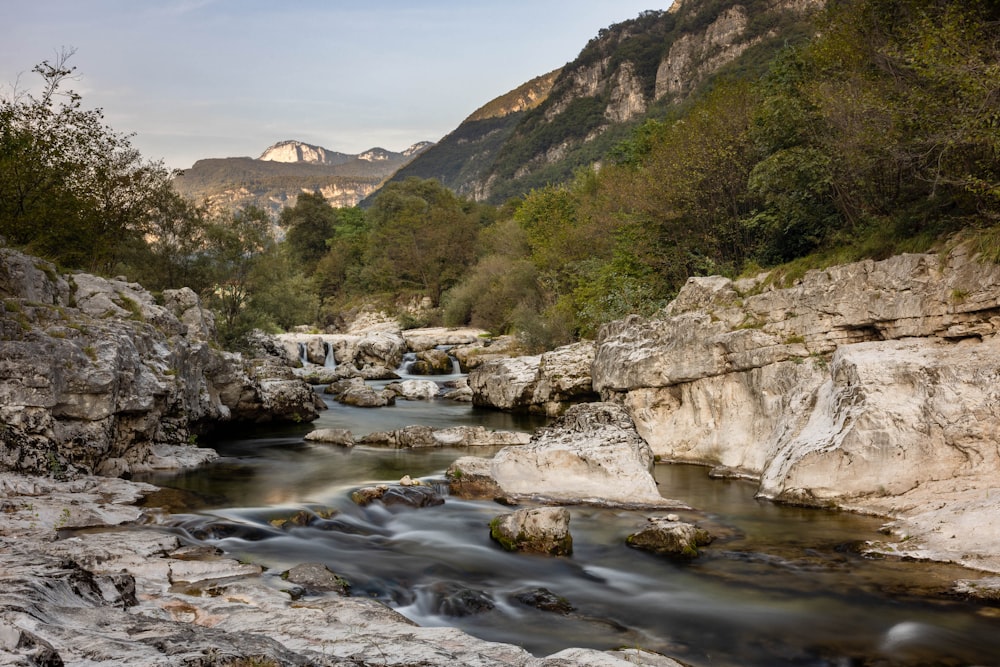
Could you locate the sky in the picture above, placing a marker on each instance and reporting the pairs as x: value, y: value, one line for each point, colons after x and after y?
x: 196, y: 79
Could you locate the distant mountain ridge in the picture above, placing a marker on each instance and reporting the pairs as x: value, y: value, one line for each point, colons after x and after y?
x: 631, y: 71
x: 287, y: 168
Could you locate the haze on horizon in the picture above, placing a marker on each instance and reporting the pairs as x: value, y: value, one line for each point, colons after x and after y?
x: 223, y: 78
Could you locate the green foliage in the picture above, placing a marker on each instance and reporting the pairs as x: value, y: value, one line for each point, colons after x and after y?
x: 309, y: 224
x: 422, y: 237
x: 71, y: 188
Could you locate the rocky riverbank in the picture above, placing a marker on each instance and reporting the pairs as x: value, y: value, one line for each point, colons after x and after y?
x: 873, y: 387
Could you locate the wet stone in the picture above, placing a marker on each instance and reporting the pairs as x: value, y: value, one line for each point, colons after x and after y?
x: 316, y: 578
x: 544, y: 600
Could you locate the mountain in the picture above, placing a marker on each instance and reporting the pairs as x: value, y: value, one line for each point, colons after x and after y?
x: 464, y: 156
x: 634, y: 70
x: 287, y: 168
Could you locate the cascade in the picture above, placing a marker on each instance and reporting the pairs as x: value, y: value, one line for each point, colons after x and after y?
x: 330, y: 361
x: 303, y: 357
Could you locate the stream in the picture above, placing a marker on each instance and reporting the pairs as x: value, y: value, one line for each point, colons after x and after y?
x: 779, y: 586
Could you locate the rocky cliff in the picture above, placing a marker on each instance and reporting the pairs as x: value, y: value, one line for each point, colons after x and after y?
x: 97, y: 377
x: 873, y: 385
x: 630, y: 71
x: 287, y: 168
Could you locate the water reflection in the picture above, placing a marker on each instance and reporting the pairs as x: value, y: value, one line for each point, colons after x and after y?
x: 780, y: 586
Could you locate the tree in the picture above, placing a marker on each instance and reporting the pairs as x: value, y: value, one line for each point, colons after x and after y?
x: 236, y: 244
x: 309, y: 224
x: 71, y: 188
x: 422, y: 238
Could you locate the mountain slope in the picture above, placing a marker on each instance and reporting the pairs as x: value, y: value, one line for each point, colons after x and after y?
x: 461, y: 159
x: 287, y: 168
x: 631, y: 71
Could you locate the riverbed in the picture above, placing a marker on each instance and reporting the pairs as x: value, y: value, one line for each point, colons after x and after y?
x: 779, y: 586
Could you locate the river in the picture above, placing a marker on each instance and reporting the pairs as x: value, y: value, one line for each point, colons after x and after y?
x: 779, y: 586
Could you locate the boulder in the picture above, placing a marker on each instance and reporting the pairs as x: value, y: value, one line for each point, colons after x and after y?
x: 592, y: 454
x: 364, y: 396
x: 431, y: 362
x: 333, y: 436
x: 541, y: 530
x: 415, y: 390
x: 475, y: 354
x: 428, y: 338
x: 543, y: 384
x: 454, y: 436
x: 472, y: 477
x: 458, y: 390
x: 316, y: 578
x: 669, y: 537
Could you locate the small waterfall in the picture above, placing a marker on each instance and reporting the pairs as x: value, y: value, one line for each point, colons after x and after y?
x: 406, y: 363
x: 330, y: 361
x: 303, y: 357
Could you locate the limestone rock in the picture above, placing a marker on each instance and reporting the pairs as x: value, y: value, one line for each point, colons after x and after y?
x: 542, y: 530
x: 543, y: 384
x: 415, y: 390
x: 870, y: 386
x: 475, y: 354
x: 472, y: 477
x: 316, y: 578
x: 458, y: 390
x: 431, y: 362
x: 592, y: 454
x: 453, y: 436
x: 96, y: 377
x: 333, y: 436
x: 663, y: 535
x: 430, y: 337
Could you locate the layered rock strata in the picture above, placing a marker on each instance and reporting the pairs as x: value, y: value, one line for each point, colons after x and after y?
x: 96, y: 377
x: 544, y: 384
x: 873, y: 385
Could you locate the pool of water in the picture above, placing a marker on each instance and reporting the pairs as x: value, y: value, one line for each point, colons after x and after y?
x: 779, y: 586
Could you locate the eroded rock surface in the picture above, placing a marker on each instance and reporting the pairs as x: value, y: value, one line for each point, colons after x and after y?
x: 96, y: 377
x: 543, y: 384
x: 871, y: 385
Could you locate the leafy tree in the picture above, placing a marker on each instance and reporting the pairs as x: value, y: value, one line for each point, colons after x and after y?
x: 236, y: 244
x: 422, y: 238
x: 309, y: 224
x: 71, y: 188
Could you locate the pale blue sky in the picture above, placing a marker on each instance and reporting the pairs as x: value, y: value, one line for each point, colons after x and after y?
x: 220, y: 78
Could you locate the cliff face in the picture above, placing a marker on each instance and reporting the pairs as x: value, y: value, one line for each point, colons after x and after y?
x: 461, y: 160
x: 873, y: 385
x: 275, y: 179
x: 96, y: 377
x: 628, y: 71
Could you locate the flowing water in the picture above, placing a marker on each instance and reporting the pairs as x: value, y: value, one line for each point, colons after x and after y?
x: 779, y: 586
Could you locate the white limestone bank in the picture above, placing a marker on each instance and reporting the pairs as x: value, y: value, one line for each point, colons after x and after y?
x: 873, y: 386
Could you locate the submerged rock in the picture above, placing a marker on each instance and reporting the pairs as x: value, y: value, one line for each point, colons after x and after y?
x: 545, y: 600
x: 542, y: 530
x: 452, y: 600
